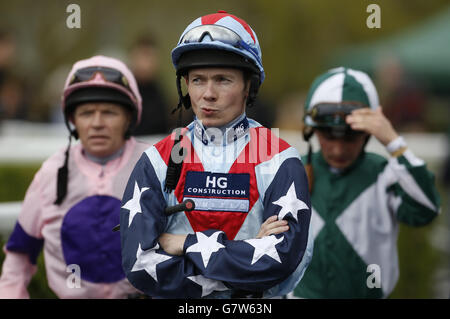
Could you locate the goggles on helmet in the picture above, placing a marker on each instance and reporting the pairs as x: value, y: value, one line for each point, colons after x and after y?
x: 329, y: 118
x: 217, y: 33
x: 333, y: 114
x: 108, y: 74
x: 340, y: 132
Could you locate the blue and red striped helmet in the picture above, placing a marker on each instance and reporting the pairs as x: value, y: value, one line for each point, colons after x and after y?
x: 223, y: 33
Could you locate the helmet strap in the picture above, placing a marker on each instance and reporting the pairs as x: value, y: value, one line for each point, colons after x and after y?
x: 73, y: 132
x: 307, y: 132
x: 253, y: 91
x: 183, y: 99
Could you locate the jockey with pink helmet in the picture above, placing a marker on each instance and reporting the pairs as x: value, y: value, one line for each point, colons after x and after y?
x: 104, y: 79
x: 74, y: 201
x: 98, y: 79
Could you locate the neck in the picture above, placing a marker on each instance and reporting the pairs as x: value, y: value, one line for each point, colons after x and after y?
x: 102, y: 160
x: 223, y: 128
x: 335, y: 170
x: 224, y: 134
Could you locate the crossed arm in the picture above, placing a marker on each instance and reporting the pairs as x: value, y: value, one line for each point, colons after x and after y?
x: 173, y: 244
x: 168, y: 265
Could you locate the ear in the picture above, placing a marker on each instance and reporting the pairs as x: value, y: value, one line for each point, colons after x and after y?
x: 71, y: 118
x: 248, y: 84
x: 186, y: 82
x: 252, y: 90
x: 130, y: 117
x: 128, y: 120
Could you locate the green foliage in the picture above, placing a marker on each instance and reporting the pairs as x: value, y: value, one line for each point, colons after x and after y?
x: 14, y: 181
x: 38, y: 287
x: 418, y: 261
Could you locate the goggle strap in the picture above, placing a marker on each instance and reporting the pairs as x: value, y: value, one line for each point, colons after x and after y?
x: 249, y: 49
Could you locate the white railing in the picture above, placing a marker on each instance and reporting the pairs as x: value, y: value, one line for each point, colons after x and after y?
x: 22, y: 142
x: 8, y: 216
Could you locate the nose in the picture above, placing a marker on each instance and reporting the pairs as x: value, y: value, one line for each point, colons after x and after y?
x: 210, y: 93
x: 97, y: 120
x: 339, y: 148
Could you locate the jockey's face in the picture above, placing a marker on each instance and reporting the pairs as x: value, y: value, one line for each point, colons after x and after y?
x: 218, y: 95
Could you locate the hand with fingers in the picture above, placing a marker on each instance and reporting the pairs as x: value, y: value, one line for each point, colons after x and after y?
x: 373, y: 122
x: 172, y: 243
x: 272, y: 226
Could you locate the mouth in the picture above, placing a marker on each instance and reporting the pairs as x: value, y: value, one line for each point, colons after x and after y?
x: 340, y: 160
x: 98, y: 138
x: 208, y: 111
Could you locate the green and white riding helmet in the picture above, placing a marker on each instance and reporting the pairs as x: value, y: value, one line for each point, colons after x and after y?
x: 335, y: 94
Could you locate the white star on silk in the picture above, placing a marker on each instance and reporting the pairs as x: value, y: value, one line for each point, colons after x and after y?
x: 265, y: 246
x: 208, y: 285
x: 133, y: 205
x: 148, y: 260
x: 206, y: 246
x: 290, y: 204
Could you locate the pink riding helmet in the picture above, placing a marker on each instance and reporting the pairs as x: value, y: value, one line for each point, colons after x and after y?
x: 103, y: 72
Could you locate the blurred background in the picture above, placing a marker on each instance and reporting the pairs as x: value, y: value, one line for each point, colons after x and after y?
x: 408, y: 58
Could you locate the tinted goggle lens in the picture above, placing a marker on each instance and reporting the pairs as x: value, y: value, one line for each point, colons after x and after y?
x: 109, y: 74
x: 340, y: 132
x: 216, y: 32
x: 330, y: 119
x: 330, y: 114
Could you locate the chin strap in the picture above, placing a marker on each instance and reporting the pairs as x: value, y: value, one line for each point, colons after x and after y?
x: 182, y: 99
